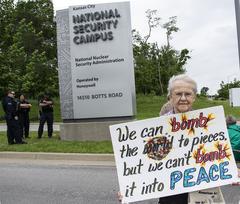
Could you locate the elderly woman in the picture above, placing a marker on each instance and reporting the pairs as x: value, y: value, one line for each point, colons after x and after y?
x: 182, y: 93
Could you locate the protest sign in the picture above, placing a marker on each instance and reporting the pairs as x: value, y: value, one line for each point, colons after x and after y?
x: 173, y: 154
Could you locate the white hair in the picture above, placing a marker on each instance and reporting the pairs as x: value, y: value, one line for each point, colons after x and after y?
x: 181, y: 77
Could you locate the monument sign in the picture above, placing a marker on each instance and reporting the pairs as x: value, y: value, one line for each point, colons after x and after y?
x: 101, y: 61
x: 95, y: 60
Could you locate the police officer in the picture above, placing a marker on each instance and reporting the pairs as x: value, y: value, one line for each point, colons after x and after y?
x: 24, y: 108
x: 10, y: 108
x: 46, y: 114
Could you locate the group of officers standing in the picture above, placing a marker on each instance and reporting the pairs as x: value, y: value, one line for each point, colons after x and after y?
x: 17, y: 117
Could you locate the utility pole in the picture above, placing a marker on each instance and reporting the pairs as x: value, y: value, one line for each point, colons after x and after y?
x: 237, y: 12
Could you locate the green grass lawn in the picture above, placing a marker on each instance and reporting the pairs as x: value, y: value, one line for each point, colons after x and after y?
x: 55, y: 145
x: 147, y: 107
x: 34, y: 112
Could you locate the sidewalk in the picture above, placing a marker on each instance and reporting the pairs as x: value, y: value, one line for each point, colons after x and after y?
x: 33, y: 126
x: 57, y: 158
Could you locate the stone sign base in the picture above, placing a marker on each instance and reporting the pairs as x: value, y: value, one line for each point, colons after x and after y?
x: 93, y: 130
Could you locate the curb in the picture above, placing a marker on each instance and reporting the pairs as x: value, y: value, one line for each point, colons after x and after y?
x: 77, y: 158
x: 57, y: 156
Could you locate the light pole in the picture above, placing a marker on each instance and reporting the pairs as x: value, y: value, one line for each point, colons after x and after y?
x: 237, y: 12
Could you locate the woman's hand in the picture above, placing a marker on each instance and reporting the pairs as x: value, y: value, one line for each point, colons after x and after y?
x: 120, y: 197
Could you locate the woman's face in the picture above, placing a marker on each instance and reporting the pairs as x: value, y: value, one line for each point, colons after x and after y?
x: 182, y: 96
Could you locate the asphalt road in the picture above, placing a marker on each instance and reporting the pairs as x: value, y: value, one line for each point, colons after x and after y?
x: 57, y: 184
x: 38, y: 184
x: 68, y: 184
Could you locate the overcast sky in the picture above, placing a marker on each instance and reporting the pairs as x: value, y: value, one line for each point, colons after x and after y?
x: 207, y: 29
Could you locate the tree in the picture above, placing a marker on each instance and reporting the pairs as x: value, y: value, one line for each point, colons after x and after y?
x: 28, y: 30
x: 172, y: 63
x: 33, y: 81
x: 5, y: 75
x: 153, y: 22
x: 7, y: 16
x: 171, y: 27
x: 41, y: 14
x: 223, y: 92
x: 153, y: 65
x: 204, y: 91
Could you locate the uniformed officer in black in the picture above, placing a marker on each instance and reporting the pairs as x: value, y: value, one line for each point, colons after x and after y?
x: 10, y: 108
x: 46, y: 114
x: 24, y: 108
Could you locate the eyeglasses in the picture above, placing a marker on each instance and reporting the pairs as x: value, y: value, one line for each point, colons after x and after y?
x: 185, y: 94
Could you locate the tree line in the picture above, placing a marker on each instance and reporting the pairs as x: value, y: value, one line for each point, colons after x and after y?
x: 28, y: 51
